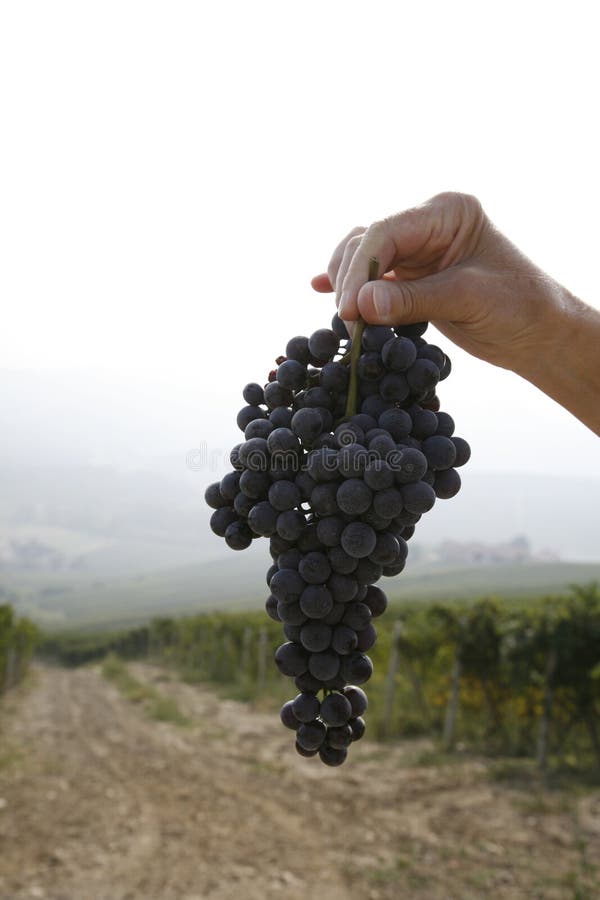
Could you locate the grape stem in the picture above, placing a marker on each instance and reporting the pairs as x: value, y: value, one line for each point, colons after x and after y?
x: 356, y: 349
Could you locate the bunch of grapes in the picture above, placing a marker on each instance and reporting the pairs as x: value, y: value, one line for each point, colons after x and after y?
x: 344, y: 449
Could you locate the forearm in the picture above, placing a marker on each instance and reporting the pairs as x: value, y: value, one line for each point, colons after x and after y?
x: 568, y: 369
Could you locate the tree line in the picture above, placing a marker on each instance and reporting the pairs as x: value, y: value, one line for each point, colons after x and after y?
x: 18, y: 639
x: 514, y: 680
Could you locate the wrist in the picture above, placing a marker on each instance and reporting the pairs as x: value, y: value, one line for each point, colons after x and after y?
x: 564, y: 363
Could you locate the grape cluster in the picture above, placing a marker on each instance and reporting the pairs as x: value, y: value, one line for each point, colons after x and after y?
x: 344, y: 449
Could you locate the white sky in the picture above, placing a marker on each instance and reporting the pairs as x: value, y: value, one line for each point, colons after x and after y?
x: 173, y: 173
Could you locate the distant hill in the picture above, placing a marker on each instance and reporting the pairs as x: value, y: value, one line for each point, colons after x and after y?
x: 72, y: 602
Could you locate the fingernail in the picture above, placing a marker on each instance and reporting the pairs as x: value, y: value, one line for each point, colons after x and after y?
x: 382, y: 302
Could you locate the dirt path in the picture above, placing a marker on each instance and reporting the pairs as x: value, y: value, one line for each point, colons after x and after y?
x: 97, y: 802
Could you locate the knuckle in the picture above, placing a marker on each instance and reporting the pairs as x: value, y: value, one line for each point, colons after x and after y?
x: 467, y: 202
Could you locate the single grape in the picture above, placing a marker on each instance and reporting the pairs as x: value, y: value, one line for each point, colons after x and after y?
x: 238, y: 536
x: 292, y: 374
x: 376, y: 600
x: 271, y: 607
x: 356, y: 667
x: 262, y: 519
x: 297, y: 348
x: 221, y: 519
x: 398, y: 354
x: 253, y: 394
x: 311, y: 735
x: 213, y: 496
x: 463, y: 451
x: 447, y: 484
x: 287, y: 585
x: 287, y: 716
x: 358, y: 728
x: 316, y: 601
x: 354, y: 497
x: 335, y: 709
x: 323, y: 344
x: 315, y: 636
x: 324, y: 665
x: 344, y: 639
x: 331, y: 756
x: 305, y: 707
x: 247, y: 414
x: 357, y: 698
x: 340, y: 737
x: 291, y: 659
x: 358, y: 539
x: 315, y: 568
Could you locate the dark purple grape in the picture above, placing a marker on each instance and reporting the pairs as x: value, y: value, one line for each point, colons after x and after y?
x: 356, y: 668
x: 331, y: 756
x: 344, y: 639
x: 439, y: 451
x: 358, y: 728
x: 358, y: 539
x: 316, y: 601
x: 247, y: 414
x: 315, y: 568
x: 291, y: 374
x: 287, y: 585
x: 340, y: 561
x: 271, y: 608
x: 447, y: 484
x: 463, y: 451
x: 324, y: 665
x: 260, y: 428
x: 376, y: 600
x: 287, y: 716
x: 335, y: 710
x: 354, y: 497
x: 214, y: 498
x: 221, y: 519
x: 358, y: 699
x: 366, y: 638
x: 305, y: 707
x: 291, y: 659
x: 238, y: 536
x: 418, y: 498
x: 311, y: 735
x: 253, y: 394
x: 262, y: 519
x: 315, y: 636
x: 340, y: 737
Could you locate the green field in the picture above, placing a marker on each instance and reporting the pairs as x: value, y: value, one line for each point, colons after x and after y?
x: 61, y: 601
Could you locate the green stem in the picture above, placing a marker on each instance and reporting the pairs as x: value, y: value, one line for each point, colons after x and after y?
x: 355, y: 350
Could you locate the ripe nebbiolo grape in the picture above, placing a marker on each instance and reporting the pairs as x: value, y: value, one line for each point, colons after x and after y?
x: 344, y: 448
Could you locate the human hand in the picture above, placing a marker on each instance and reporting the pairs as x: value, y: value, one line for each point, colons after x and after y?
x: 446, y: 263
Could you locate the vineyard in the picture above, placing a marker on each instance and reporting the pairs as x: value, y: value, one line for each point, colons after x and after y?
x: 519, y: 680
x: 18, y: 638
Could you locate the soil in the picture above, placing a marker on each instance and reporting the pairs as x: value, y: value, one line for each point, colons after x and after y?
x: 100, y: 802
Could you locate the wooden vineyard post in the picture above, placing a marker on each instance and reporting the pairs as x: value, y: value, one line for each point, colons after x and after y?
x: 449, y: 735
x: 245, y: 655
x: 262, y: 661
x: 546, y: 718
x: 390, y: 681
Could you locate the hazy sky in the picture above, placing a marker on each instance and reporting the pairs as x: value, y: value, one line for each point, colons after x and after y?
x: 173, y: 173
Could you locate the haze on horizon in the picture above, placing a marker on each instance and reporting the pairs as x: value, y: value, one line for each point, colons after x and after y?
x: 169, y: 186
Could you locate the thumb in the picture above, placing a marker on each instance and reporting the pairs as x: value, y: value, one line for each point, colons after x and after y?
x: 397, y: 302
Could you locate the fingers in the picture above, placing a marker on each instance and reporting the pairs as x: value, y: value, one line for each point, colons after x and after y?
x: 338, y: 255
x: 322, y: 284
x: 436, y: 297
x: 419, y: 241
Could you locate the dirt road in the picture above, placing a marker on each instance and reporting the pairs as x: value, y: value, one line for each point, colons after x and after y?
x: 98, y: 802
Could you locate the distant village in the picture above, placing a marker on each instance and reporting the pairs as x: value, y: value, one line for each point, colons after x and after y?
x: 476, y: 553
